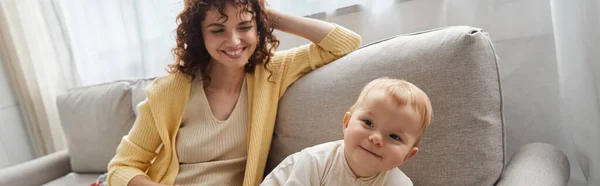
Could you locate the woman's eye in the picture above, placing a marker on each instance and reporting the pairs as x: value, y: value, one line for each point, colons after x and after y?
x: 216, y: 31
x: 395, y: 137
x: 368, y: 123
x: 246, y: 28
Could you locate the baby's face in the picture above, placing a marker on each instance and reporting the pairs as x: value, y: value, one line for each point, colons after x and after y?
x: 379, y: 135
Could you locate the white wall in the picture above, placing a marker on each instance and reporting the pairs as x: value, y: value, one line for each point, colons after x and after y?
x: 522, y: 33
x: 14, y: 143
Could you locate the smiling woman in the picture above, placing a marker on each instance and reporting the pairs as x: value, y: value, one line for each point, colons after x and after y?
x: 214, y: 113
x: 220, y: 34
x: 227, y: 47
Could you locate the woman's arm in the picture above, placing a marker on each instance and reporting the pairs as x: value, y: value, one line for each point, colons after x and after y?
x: 311, y: 29
x: 136, y: 150
x: 329, y: 42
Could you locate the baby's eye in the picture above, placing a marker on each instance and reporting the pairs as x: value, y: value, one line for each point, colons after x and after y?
x: 368, y: 123
x: 395, y: 137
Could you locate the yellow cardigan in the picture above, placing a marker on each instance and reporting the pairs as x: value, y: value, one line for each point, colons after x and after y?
x: 161, y: 113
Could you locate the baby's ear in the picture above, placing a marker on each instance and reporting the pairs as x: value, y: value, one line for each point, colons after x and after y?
x: 411, y: 154
x: 346, y: 119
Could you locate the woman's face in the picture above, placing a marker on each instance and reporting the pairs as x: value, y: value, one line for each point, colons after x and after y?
x: 230, y: 42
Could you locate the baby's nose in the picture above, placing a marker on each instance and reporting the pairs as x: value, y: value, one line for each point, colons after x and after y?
x: 376, y: 139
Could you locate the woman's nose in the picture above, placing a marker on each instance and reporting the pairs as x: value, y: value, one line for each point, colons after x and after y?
x: 233, y: 39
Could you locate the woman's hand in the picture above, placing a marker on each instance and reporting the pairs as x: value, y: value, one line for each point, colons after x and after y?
x: 311, y: 29
x: 143, y: 180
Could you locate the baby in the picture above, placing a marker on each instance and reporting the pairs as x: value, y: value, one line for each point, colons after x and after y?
x: 382, y: 131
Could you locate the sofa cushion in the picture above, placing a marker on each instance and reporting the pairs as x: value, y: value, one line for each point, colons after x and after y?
x: 94, y: 120
x: 455, y: 66
x: 138, y: 92
x: 74, y: 179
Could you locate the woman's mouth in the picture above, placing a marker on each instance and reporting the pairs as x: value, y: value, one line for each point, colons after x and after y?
x: 234, y: 54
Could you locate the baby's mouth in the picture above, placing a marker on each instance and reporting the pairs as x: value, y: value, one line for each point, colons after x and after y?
x: 372, y: 153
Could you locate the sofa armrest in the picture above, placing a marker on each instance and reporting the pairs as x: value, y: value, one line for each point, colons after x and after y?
x: 536, y: 164
x: 38, y: 171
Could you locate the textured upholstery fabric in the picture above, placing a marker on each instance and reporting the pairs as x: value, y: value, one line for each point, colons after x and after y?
x: 455, y: 66
x: 94, y: 120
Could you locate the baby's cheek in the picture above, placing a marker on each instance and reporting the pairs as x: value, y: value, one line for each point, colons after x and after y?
x: 357, y: 133
x: 401, y: 153
x: 349, y: 134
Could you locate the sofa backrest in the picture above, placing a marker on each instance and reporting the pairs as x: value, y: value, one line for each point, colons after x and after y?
x: 95, y: 118
x: 455, y: 66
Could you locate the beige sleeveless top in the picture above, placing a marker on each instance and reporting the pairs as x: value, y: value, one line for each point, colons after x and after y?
x: 212, y: 152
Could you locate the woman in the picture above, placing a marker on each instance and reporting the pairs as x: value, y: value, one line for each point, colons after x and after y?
x: 210, y: 121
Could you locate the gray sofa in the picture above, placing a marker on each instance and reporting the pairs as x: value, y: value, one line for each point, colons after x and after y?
x: 456, y: 66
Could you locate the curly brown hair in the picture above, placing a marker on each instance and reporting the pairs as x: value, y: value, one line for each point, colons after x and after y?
x: 191, y: 54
